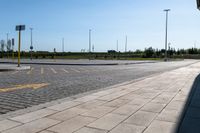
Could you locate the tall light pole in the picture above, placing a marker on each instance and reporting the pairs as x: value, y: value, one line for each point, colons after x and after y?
x: 117, y: 45
x: 63, y: 45
x: 31, y: 47
x: 7, y: 45
x: 166, y: 28
x: 126, y: 45
x: 90, y: 40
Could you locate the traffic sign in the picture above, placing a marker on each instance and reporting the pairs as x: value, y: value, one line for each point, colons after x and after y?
x: 20, y: 27
x: 13, y: 41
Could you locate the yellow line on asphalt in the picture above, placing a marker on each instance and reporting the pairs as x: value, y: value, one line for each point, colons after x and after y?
x: 53, y: 70
x: 42, y: 70
x: 65, y: 70
x: 25, y: 86
x: 30, y: 71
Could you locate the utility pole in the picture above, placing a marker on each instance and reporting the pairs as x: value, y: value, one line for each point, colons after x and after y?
x: 166, y: 30
x: 31, y: 47
x: 90, y: 40
x: 126, y: 45
x: 7, y: 45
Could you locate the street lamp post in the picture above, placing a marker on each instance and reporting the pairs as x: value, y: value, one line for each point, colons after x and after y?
x: 90, y: 40
x: 166, y: 28
x: 31, y: 47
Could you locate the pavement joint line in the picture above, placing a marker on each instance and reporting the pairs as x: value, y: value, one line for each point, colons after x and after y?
x: 53, y: 70
x: 15, y: 72
x: 30, y: 71
x: 75, y: 70
x: 65, y: 70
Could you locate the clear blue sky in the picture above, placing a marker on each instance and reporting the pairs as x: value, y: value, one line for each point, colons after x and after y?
x: 143, y: 21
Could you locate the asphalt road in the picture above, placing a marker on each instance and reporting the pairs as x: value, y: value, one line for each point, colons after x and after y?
x: 44, y: 83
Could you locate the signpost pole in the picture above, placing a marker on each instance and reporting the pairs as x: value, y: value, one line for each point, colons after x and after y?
x: 13, y: 49
x: 19, y: 43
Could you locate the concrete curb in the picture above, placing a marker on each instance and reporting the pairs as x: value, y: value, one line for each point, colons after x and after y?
x: 79, y: 64
x: 6, y: 67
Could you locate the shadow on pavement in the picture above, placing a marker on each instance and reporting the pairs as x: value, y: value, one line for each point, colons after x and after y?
x: 189, y: 121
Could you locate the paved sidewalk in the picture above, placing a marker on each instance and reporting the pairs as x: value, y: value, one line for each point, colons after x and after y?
x: 159, y: 104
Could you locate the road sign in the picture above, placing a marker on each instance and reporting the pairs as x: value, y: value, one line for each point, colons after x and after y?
x: 13, y: 41
x: 20, y: 27
x: 198, y: 4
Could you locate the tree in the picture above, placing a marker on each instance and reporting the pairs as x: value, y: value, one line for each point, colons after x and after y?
x: 9, y: 43
x: 2, y: 45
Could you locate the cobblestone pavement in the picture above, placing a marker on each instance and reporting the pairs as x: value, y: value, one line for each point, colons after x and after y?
x: 64, y: 81
x: 163, y: 103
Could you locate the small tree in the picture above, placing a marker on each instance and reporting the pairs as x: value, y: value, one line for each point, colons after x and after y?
x: 2, y: 47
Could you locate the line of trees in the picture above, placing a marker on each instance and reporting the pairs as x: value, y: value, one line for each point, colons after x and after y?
x: 111, y: 54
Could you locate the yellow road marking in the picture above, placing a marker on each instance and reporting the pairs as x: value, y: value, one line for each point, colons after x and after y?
x: 75, y: 70
x: 65, y: 70
x: 29, y: 72
x: 26, y: 86
x: 53, y: 70
x: 42, y: 70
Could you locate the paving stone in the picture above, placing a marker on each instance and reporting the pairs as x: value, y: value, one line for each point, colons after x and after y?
x: 127, y: 128
x: 116, y: 103
x: 107, y: 122
x: 86, y: 98
x: 34, y: 126
x: 169, y: 115
x: 113, y: 96
x: 141, y: 118
x: 161, y: 127
x: 90, y: 130
x: 45, y: 131
x: 139, y: 101
x: 64, y: 105
x: 71, y: 125
x: 33, y: 115
x: 98, y: 112
x: 126, y: 109
x: 7, y: 124
x: 153, y: 107
x: 67, y: 114
x: 91, y: 104
x: 176, y: 105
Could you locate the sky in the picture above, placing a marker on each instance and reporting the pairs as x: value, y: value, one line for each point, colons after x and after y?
x: 143, y: 21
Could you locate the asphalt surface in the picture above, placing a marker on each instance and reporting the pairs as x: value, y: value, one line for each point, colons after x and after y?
x: 65, y: 80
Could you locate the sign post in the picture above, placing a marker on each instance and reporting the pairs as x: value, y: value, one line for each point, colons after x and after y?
x: 13, y: 43
x: 19, y: 28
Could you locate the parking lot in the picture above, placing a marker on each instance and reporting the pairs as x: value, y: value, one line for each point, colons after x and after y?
x: 45, y: 83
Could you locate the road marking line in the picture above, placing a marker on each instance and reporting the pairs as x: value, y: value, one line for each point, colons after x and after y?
x: 65, y: 70
x: 26, y: 86
x: 75, y: 70
x: 29, y: 72
x: 83, y: 69
x: 53, y: 70
x: 42, y: 70
x: 15, y: 72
